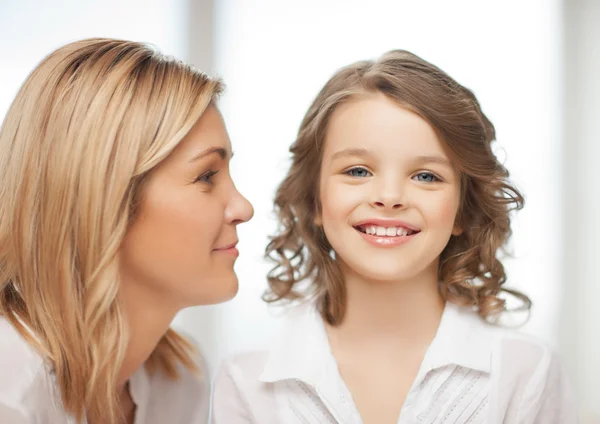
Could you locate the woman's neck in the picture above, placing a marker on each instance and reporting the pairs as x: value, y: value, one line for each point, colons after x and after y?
x: 148, y: 317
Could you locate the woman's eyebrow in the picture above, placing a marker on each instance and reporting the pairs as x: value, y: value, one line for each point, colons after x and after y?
x: 223, y: 154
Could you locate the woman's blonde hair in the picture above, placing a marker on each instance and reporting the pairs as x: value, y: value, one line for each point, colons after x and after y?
x: 469, y: 272
x: 83, y: 133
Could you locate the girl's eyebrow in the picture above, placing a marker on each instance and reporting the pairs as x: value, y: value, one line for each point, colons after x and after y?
x: 351, y: 152
x: 434, y: 159
x: 365, y: 153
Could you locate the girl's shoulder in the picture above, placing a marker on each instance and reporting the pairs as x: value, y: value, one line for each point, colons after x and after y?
x: 517, y: 347
x: 513, y: 358
x: 505, y: 339
x: 530, y: 381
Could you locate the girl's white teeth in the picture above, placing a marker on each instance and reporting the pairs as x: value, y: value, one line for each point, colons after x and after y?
x: 385, y: 231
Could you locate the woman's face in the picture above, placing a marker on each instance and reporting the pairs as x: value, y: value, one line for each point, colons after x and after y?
x: 181, y: 244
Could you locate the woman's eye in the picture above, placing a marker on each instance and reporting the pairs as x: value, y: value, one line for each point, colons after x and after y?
x: 426, y: 177
x: 358, y: 172
x: 207, y: 177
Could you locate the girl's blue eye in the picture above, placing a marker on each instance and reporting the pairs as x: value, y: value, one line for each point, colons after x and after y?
x: 358, y: 172
x: 206, y: 177
x: 426, y: 177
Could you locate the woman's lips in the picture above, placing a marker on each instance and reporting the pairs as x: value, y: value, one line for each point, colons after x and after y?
x: 229, y: 249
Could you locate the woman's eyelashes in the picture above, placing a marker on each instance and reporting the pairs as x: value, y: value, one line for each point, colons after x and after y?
x: 206, y: 177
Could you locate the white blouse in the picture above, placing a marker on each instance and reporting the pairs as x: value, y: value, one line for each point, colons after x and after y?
x: 472, y: 372
x: 28, y: 394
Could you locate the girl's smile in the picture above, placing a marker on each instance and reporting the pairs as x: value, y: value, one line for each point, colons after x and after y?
x: 386, y: 233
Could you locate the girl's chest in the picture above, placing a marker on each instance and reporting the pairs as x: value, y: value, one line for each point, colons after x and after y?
x: 451, y: 394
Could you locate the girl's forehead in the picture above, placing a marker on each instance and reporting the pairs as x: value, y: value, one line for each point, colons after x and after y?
x: 380, y: 126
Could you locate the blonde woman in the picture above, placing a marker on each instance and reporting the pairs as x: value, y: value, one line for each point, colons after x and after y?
x: 117, y: 210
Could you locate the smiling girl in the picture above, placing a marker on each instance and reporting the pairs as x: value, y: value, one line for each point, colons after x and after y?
x: 395, y: 208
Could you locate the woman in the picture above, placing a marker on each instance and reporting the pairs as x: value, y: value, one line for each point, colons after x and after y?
x: 117, y: 210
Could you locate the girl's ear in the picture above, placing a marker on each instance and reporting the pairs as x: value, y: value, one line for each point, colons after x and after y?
x: 457, y: 230
x: 317, y: 220
x: 317, y: 217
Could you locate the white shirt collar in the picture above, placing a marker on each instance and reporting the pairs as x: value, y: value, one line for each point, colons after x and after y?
x: 463, y: 338
x: 139, y: 386
x: 302, y: 349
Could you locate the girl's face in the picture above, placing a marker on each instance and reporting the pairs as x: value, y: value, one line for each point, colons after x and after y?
x: 181, y: 244
x: 389, y: 194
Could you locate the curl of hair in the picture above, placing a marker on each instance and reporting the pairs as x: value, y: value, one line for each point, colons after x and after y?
x: 470, y: 272
x: 86, y: 128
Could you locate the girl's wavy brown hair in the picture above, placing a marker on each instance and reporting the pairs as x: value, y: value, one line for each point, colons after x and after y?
x: 469, y: 272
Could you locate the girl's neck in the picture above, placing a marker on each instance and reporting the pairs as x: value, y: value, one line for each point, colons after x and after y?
x: 401, y: 312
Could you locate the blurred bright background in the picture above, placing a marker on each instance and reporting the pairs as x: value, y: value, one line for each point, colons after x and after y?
x: 534, y: 65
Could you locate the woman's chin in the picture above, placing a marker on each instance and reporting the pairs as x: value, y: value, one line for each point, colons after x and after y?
x: 218, y: 292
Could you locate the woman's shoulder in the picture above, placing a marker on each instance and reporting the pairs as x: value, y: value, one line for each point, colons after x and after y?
x: 20, y: 361
x: 23, y: 374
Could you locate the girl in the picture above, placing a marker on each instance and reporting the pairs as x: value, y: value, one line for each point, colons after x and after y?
x: 394, y: 208
x: 117, y: 210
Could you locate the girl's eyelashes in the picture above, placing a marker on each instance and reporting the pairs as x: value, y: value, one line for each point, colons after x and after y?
x: 426, y: 177
x: 358, y: 172
x: 422, y: 176
x: 206, y: 177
